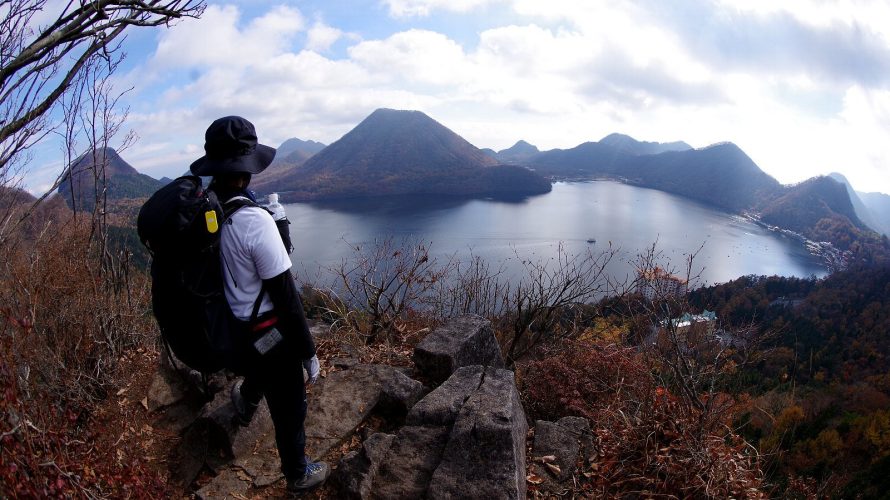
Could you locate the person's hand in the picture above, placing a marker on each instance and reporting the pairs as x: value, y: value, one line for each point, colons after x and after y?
x: 312, y: 368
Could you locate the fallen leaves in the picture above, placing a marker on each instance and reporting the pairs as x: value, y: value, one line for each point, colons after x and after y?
x: 553, y: 468
x: 534, y: 479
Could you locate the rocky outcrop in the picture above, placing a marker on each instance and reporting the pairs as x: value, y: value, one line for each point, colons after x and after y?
x: 464, y: 439
x: 214, y: 438
x: 465, y: 341
x: 410, y: 463
x: 346, y: 398
x: 356, y: 472
x: 485, y: 455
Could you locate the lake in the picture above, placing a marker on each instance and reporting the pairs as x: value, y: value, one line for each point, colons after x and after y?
x: 505, y: 232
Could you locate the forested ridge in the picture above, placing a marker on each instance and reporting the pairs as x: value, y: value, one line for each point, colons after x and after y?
x: 821, y: 394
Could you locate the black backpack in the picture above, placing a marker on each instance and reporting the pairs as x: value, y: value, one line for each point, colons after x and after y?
x: 180, y: 225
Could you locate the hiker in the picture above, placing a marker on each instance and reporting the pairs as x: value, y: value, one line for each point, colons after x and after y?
x: 255, y: 262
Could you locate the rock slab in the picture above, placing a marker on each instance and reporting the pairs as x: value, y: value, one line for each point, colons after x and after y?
x: 214, y: 439
x: 465, y: 439
x: 346, y: 398
x: 485, y: 455
x: 410, y: 463
x: 465, y: 341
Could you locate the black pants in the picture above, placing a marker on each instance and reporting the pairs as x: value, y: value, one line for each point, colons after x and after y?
x: 279, y: 376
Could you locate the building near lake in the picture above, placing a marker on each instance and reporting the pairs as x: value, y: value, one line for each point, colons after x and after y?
x: 657, y: 283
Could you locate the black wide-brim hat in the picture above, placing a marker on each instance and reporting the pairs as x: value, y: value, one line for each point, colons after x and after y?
x: 230, y: 145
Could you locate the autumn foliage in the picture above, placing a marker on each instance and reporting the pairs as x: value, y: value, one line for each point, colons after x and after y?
x: 72, y: 322
x: 647, y: 439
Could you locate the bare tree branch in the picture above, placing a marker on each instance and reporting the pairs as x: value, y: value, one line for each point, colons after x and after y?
x: 38, y: 67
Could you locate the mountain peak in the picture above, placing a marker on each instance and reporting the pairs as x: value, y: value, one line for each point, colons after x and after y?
x: 400, y: 152
x: 121, y: 180
x: 107, y: 157
x: 519, y: 152
x: 628, y: 144
x: 294, y: 144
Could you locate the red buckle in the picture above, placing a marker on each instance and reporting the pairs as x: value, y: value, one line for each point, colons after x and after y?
x: 265, y: 324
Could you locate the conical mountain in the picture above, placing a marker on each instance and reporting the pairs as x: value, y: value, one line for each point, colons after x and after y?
x: 401, y: 152
x: 105, y: 165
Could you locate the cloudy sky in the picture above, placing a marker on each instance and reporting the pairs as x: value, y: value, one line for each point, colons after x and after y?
x: 802, y: 86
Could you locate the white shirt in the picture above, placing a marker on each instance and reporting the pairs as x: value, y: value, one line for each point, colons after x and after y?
x: 251, y: 251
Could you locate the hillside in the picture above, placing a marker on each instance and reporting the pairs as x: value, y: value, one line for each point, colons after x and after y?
x: 879, y: 205
x: 294, y: 145
x: 78, y: 185
x: 721, y: 175
x: 820, y: 391
x: 400, y: 152
x: 818, y: 208
x: 864, y: 213
x: 291, y: 153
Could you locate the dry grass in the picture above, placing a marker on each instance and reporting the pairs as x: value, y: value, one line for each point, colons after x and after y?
x: 648, y: 441
x: 70, y: 319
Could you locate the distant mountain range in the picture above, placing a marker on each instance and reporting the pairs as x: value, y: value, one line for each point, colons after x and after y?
x: 78, y: 186
x: 395, y: 152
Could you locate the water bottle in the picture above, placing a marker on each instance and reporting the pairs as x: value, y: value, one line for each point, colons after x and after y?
x: 281, y: 221
x: 276, y: 208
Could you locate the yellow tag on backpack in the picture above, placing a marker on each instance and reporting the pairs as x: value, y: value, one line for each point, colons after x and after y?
x: 210, y: 219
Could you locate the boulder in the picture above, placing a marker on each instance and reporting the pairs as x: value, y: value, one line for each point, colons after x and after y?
x: 580, y: 428
x: 485, y: 455
x: 356, y: 471
x: 214, y: 438
x: 441, y: 406
x: 167, y: 388
x: 465, y: 439
x: 319, y: 330
x: 346, y: 398
x: 399, y: 391
x: 410, y: 463
x: 464, y: 341
x: 554, y: 440
x: 561, y: 443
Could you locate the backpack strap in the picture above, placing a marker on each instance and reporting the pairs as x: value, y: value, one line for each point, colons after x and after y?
x: 231, y: 206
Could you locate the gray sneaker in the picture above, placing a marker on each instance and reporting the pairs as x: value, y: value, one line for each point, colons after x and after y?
x: 316, y: 473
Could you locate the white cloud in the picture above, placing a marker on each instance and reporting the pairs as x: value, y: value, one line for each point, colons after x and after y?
x: 320, y: 37
x: 408, y: 8
x: 413, y: 56
x: 216, y: 39
x: 557, y: 74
